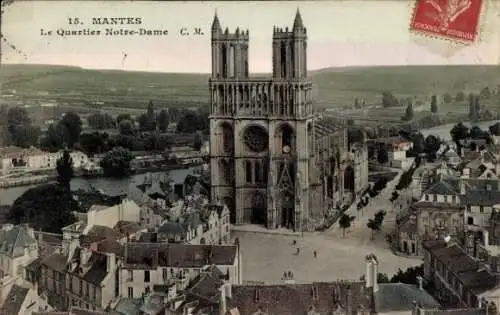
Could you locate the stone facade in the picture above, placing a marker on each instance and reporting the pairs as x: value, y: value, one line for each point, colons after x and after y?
x: 272, y: 160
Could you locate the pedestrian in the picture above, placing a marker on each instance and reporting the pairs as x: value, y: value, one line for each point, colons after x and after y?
x: 298, y: 250
x: 315, y: 254
x: 290, y: 275
x: 294, y: 242
x: 285, y: 276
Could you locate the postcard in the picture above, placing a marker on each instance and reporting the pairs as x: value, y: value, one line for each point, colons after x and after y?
x: 250, y: 157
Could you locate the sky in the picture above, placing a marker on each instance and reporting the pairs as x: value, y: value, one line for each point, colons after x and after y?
x: 340, y: 33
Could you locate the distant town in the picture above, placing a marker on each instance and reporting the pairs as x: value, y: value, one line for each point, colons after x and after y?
x: 251, y: 199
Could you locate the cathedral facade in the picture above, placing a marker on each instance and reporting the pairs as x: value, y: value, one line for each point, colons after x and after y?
x: 273, y: 161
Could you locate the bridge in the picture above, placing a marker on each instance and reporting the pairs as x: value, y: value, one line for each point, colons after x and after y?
x: 370, y: 119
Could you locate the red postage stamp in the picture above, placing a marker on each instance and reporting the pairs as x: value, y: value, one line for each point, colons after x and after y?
x: 451, y: 19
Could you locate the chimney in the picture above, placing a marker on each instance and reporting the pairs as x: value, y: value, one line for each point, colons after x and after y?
x: 110, y: 262
x: 368, y: 273
x: 375, y: 273
x: 486, y: 236
x: 420, y: 282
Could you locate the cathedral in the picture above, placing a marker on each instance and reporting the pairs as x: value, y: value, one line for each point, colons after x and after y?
x: 273, y: 160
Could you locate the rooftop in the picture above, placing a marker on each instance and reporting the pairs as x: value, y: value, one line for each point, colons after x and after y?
x: 319, y: 297
x: 14, y: 239
x: 151, y: 255
x: 400, y: 297
x: 14, y: 300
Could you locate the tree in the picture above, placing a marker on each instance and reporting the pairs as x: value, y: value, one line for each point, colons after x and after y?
x: 144, y: 122
x: 100, y: 121
x: 432, y: 145
x: 191, y: 122
x: 19, y: 127
x: 379, y: 216
x: 116, y: 163
x: 408, y: 112
x: 44, y: 207
x: 474, y: 107
x: 381, y: 278
x: 162, y: 120
x: 418, y: 141
x: 389, y: 100
x: 198, y: 141
x: 374, y: 226
x: 495, y: 129
x: 94, y: 143
x: 409, y: 276
x: 434, y: 104
x: 126, y: 127
x: 57, y: 137
x: 485, y: 93
x: 25, y: 136
x: 122, y: 117
x: 447, y: 98
x: 460, y: 97
x: 73, y: 124
x: 459, y: 132
x: 64, y: 169
x: 382, y: 155
x: 345, y: 222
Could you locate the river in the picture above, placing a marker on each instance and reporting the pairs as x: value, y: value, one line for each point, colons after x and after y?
x: 8, y: 195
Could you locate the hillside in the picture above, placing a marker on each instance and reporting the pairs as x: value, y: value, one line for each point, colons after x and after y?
x: 333, y: 87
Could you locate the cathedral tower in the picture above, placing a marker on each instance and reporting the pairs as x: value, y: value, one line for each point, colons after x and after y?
x: 261, y: 129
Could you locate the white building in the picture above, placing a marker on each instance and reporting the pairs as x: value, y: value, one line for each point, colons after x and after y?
x: 32, y: 159
x: 173, y: 265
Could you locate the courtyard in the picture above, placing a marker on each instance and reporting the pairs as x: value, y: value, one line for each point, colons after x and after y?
x: 266, y: 256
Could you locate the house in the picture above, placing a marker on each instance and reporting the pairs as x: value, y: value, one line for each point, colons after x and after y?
x: 428, y: 220
x: 460, y: 280
x: 18, y: 247
x: 14, y: 158
x: 23, y: 299
x: 84, y: 279
x: 208, y: 225
x: 396, y: 148
x: 173, y: 265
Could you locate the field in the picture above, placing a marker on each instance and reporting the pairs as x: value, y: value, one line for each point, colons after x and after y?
x: 333, y: 88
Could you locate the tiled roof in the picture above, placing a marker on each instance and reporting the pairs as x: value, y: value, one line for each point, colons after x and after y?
x: 323, y: 298
x: 464, y: 311
x: 14, y: 240
x: 444, y: 187
x: 98, y: 270
x: 393, y: 297
x: 73, y: 311
x: 480, y: 198
x: 98, y: 233
x: 141, y: 255
x: 55, y: 261
x: 207, y: 285
x: 50, y: 238
x: 14, y: 300
x: 470, y: 271
x: 127, y: 227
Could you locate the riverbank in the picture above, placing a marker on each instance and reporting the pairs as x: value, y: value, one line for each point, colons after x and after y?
x: 37, y: 178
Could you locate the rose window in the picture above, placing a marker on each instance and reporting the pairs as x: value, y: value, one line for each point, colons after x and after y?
x: 256, y: 139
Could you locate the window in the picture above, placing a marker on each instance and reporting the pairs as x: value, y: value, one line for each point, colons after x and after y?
x: 454, y: 199
x: 165, y: 274
x: 248, y: 171
x: 468, y: 209
x: 488, y: 187
x: 146, y: 276
x: 130, y: 275
x: 130, y: 292
x: 470, y: 220
x: 426, y: 197
x: 434, y: 198
x: 481, y: 209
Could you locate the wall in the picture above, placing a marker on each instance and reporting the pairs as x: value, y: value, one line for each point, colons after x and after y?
x: 128, y: 210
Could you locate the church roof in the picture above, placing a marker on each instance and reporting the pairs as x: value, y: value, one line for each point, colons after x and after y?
x: 216, y: 23
x: 297, y: 23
